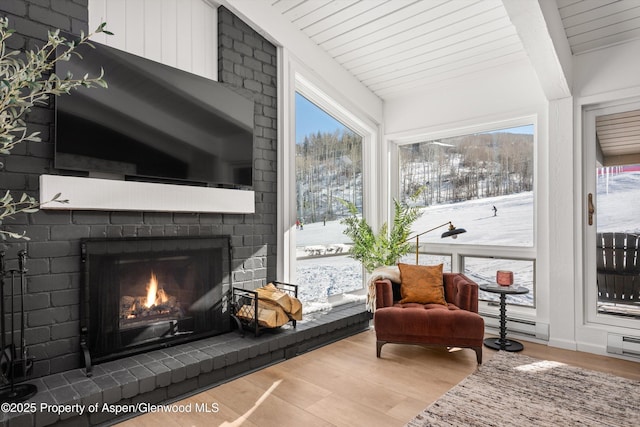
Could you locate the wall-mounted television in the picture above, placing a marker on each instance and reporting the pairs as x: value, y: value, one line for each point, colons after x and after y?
x: 154, y: 123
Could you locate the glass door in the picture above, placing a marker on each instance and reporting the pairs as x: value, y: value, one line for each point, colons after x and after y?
x: 613, y: 214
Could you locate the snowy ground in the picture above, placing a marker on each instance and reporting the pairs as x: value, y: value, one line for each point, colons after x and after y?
x: 513, y: 224
x: 618, y: 203
x: 322, y: 277
x: 319, y: 277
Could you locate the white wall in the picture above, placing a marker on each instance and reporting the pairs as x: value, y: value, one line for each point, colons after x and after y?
x: 179, y: 33
x: 607, y: 70
x: 495, y: 94
x: 560, y: 252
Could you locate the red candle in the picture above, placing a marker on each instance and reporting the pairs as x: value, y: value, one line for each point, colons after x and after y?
x: 504, y: 278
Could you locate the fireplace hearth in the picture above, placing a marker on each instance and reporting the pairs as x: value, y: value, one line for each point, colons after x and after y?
x: 147, y: 293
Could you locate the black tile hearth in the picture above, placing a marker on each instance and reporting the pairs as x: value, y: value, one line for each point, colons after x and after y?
x: 166, y: 375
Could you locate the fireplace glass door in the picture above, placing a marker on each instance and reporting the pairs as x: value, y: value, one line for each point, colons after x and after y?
x: 141, y: 294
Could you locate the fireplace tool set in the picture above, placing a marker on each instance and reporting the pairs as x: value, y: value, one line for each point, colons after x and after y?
x: 15, y: 363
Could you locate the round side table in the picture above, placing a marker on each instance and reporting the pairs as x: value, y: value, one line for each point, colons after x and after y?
x: 503, y: 343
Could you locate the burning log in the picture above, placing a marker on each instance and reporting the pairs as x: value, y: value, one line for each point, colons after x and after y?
x: 155, y: 303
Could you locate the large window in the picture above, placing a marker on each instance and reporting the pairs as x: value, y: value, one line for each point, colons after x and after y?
x: 482, y: 182
x: 328, y: 168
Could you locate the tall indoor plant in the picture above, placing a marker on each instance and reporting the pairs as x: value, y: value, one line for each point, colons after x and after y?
x: 386, y: 246
x: 26, y: 80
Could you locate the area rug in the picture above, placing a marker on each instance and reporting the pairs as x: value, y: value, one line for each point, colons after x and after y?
x: 517, y: 390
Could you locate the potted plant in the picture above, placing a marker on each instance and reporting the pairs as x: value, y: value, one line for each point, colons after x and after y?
x: 386, y: 246
x: 26, y: 80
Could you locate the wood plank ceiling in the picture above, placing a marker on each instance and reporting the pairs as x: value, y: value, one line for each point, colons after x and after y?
x: 393, y: 46
x: 593, y: 24
x: 619, y: 137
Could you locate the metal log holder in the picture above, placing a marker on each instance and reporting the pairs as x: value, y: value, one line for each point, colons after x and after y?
x: 244, y: 298
x: 15, y: 362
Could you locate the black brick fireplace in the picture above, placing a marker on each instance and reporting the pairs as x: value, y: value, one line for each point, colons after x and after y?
x: 247, y: 63
x: 140, y: 294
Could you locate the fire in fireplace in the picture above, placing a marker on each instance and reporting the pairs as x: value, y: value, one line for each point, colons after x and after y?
x: 141, y: 294
x: 155, y: 304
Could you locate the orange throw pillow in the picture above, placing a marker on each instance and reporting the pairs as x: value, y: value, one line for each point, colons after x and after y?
x: 421, y: 284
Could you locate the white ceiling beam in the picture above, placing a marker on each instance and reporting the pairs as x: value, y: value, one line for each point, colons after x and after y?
x: 540, y: 28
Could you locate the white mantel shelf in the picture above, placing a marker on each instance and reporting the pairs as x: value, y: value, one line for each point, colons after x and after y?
x: 113, y: 195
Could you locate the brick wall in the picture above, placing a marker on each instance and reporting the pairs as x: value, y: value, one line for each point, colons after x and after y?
x: 247, y: 62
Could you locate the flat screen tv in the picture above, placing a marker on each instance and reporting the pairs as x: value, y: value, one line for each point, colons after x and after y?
x: 154, y: 123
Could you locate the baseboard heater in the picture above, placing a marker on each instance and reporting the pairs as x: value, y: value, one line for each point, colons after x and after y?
x: 520, y: 326
x: 623, y: 345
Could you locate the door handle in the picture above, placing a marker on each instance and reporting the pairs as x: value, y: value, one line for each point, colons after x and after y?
x: 590, y: 208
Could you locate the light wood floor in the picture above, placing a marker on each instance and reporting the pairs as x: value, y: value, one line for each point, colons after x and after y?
x: 344, y: 384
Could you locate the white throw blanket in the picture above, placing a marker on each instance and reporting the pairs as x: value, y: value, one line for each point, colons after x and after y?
x: 391, y: 272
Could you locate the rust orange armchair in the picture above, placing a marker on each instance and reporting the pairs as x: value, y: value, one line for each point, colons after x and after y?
x: 456, y: 324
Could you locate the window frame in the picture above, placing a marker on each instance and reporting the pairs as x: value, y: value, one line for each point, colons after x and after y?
x: 459, y: 251
x: 296, y: 78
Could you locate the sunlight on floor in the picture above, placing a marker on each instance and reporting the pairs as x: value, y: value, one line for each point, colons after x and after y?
x: 244, y: 417
x: 544, y: 365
